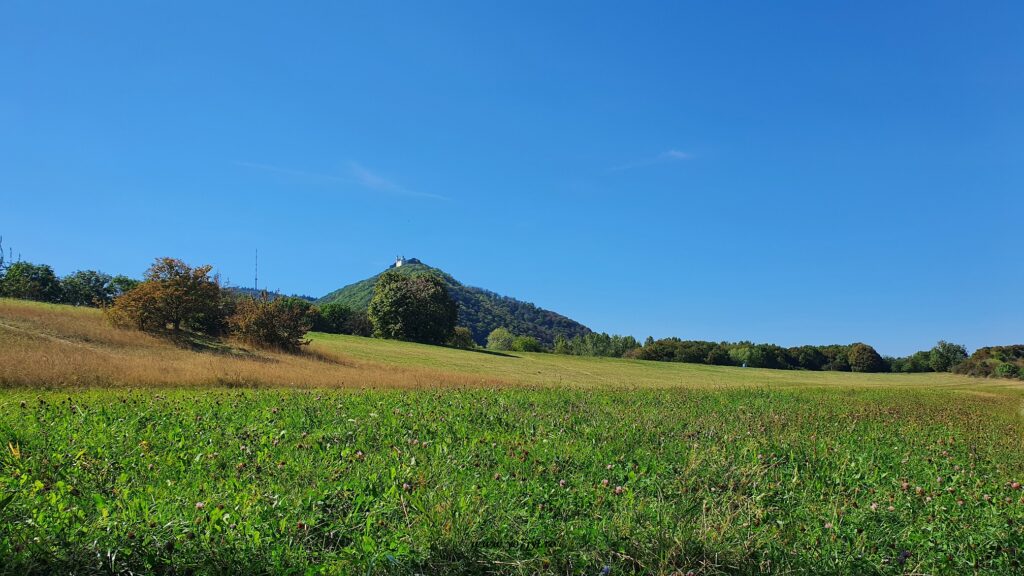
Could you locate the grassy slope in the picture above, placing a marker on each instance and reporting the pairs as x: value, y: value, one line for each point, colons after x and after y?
x: 723, y: 470
x: 538, y: 369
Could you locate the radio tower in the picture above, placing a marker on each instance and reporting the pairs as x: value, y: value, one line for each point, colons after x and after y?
x: 256, y: 276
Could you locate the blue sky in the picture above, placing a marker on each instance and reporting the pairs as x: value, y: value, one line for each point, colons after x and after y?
x: 792, y: 172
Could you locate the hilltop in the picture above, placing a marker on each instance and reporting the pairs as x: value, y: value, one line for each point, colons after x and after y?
x: 480, y: 310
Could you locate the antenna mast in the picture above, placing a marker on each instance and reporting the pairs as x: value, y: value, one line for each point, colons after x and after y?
x: 256, y: 277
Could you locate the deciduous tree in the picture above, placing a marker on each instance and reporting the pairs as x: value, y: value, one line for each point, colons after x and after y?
x: 173, y: 295
x: 417, y: 308
x: 30, y: 282
x: 500, y: 339
x: 279, y: 323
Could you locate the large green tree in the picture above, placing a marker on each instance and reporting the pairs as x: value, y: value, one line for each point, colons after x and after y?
x: 88, y: 288
x: 946, y: 355
x: 417, y: 308
x: 500, y: 339
x: 30, y: 282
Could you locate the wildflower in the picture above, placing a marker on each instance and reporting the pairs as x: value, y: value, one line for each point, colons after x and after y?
x: 1015, y: 485
x: 561, y: 483
x: 610, y: 466
x: 301, y: 525
x: 406, y: 486
x: 200, y: 505
x: 619, y: 490
x: 874, y: 506
x: 903, y: 556
x: 360, y: 455
x: 905, y: 486
x: 828, y: 525
x: 497, y: 476
x: 604, y: 482
x: 891, y: 508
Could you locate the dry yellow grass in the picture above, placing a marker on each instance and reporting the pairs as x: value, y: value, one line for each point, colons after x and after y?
x: 45, y: 345
x: 55, y: 346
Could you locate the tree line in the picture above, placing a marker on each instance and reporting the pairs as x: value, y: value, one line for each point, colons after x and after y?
x: 173, y: 297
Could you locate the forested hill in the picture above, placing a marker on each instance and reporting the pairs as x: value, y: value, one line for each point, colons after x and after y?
x: 479, y: 310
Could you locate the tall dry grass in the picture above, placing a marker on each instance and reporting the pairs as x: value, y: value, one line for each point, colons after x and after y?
x: 50, y: 346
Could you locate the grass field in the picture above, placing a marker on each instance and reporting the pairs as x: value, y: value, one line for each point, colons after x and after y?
x: 123, y: 453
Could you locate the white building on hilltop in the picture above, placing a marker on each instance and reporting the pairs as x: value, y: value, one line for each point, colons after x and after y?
x: 402, y: 261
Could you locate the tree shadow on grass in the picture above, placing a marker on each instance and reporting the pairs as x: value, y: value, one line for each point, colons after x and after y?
x: 491, y: 352
x: 202, y: 343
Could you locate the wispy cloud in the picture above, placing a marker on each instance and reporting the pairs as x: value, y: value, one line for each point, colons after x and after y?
x: 359, y: 175
x: 664, y: 157
x: 378, y: 183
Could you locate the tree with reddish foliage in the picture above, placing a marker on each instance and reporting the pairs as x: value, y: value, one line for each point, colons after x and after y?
x: 172, y: 295
x: 279, y: 323
x: 864, y: 358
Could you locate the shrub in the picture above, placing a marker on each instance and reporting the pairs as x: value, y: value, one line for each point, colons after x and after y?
x: 1007, y: 370
x: 500, y: 339
x: 562, y: 345
x: 280, y: 323
x: 526, y: 344
x: 333, y: 318
x: 916, y: 362
x: 462, y: 337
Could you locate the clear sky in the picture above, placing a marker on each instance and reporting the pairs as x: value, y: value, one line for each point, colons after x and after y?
x: 790, y: 172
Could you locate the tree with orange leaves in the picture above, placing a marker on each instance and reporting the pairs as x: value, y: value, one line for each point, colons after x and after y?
x: 172, y: 295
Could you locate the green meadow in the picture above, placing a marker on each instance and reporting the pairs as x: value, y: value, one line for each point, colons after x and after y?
x: 512, y: 463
